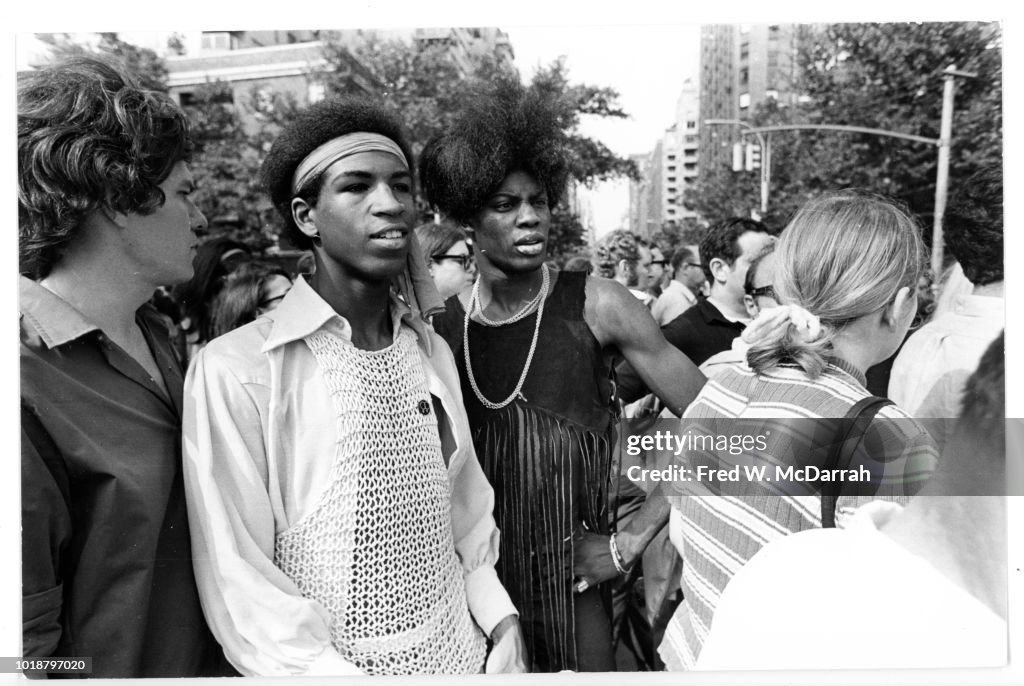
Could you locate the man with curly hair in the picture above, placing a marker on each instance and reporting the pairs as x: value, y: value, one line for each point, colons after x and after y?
x: 931, y: 369
x: 534, y: 348
x: 341, y: 521
x: 105, y: 217
x: 622, y: 256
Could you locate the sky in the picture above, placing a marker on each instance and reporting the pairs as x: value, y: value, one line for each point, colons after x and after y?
x: 646, y: 63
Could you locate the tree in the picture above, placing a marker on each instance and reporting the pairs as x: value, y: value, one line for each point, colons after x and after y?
x: 675, y: 234
x: 419, y: 80
x: 227, y: 158
x: 144, y: 63
x: 889, y: 76
x: 422, y: 84
x: 885, y: 76
x: 591, y: 160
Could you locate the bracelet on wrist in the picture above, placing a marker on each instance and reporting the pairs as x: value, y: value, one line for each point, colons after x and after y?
x: 620, y: 564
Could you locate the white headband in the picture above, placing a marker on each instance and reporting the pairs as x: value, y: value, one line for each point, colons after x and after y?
x: 343, y: 146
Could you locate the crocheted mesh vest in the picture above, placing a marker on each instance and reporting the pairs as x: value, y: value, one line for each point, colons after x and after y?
x: 377, y: 552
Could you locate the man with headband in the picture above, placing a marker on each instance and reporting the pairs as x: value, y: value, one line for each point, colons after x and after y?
x: 341, y: 521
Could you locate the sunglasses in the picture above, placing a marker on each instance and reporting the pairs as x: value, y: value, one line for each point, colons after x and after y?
x: 762, y: 292
x: 465, y: 260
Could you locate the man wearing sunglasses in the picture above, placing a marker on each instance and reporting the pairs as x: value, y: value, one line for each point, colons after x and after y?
x: 449, y: 258
x: 681, y: 292
x: 758, y: 295
x: 656, y: 271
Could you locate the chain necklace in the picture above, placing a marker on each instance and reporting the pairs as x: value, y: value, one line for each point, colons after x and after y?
x: 474, y: 301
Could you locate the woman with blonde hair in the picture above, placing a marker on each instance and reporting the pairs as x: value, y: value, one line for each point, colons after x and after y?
x: 846, y: 273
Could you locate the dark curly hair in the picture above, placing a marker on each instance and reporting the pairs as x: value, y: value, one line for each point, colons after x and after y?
x: 722, y: 240
x: 974, y: 226
x: 614, y: 247
x: 89, y: 139
x: 311, y: 128
x: 503, y: 129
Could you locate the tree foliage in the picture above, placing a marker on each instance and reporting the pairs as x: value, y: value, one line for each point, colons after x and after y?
x: 420, y: 81
x: 885, y: 76
x: 674, y: 234
x: 227, y: 158
x: 591, y: 160
x: 423, y: 85
x: 144, y: 63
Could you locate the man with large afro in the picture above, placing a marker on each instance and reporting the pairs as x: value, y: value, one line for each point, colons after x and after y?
x: 534, y: 348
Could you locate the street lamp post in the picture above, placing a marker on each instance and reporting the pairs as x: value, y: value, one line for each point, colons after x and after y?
x: 942, y: 172
x: 766, y: 155
x: 943, y: 143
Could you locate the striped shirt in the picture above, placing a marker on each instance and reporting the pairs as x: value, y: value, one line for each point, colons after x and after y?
x: 717, y: 534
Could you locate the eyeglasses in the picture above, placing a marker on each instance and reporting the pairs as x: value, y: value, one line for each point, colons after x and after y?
x: 660, y: 262
x: 465, y: 260
x: 762, y: 292
x: 692, y: 264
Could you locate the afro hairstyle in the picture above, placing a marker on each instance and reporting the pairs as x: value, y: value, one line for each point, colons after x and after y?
x: 614, y: 247
x: 503, y: 129
x: 311, y: 128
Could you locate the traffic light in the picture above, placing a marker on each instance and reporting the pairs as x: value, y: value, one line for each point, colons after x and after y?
x: 737, y: 156
x: 752, y: 159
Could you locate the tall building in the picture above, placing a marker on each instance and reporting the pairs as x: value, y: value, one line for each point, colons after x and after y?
x: 688, y: 135
x: 719, y: 92
x: 667, y: 171
x: 639, y: 194
x: 741, y: 65
x: 767, y: 64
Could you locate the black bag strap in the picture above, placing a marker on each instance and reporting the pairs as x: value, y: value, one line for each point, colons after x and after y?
x: 852, y: 430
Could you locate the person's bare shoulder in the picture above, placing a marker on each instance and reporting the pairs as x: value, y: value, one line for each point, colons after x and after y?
x: 612, y: 311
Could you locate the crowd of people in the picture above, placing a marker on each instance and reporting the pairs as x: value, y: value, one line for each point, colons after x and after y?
x: 405, y: 457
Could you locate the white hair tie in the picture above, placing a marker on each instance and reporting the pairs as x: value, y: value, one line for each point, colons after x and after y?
x: 770, y: 321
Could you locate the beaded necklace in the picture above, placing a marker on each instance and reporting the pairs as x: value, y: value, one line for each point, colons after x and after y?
x: 474, y: 302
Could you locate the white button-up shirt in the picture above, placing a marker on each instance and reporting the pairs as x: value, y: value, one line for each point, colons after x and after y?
x: 260, y: 437
x: 932, y: 368
x: 674, y: 300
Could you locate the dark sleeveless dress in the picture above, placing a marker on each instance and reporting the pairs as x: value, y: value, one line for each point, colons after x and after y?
x: 548, y: 456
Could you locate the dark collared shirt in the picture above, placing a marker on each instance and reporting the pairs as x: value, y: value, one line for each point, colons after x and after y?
x: 700, y: 332
x: 106, y: 558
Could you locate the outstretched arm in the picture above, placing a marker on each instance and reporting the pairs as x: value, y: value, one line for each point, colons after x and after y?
x: 620, y: 320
